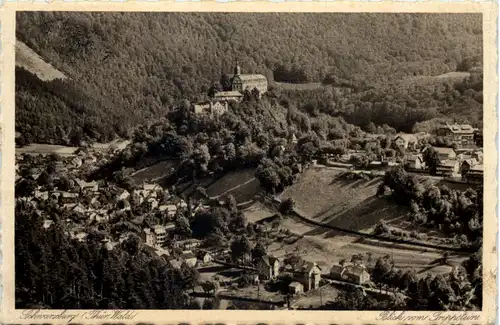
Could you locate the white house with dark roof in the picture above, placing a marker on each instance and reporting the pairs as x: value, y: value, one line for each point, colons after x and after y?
x: 351, y: 273
x: 307, y: 273
x: 406, y: 141
x: 461, y: 134
x: 189, y: 258
x: 445, y: 153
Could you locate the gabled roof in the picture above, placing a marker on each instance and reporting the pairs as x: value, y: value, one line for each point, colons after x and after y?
x: 478, y: 168
x: 407, y: 137
x: 471, y: 162
x: 269, y: 260
x: 447, y: 163
x: 251, y: 77
x: 159, y: 229
x: 295, y: 284
x: 305, y: 266
x: 444, y: 150
x: 150, y: 187
x: 459, y: 128
x: 336, y: 268
x: 356, y: 269
x: 414, y: 157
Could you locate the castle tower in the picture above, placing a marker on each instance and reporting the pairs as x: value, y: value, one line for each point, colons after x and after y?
x: 237, y: 69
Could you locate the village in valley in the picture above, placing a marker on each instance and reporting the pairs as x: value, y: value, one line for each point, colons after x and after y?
x: 158, y: 217
x: 253, y: 194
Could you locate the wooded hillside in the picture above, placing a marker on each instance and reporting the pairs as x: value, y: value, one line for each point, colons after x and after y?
x: 140, y: 64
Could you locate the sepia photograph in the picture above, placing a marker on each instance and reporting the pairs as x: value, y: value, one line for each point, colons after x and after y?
x: 249, y: 161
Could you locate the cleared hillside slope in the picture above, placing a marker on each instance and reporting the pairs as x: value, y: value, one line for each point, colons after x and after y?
x: 32, y: 62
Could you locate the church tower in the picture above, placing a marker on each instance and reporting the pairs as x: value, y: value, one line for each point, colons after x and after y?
x: 237, y: 69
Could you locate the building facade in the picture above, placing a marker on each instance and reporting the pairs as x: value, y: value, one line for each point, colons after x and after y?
x: 460, y: 134
x: 240, y: 83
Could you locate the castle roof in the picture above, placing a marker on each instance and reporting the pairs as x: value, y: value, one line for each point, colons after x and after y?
x: 251, y: 77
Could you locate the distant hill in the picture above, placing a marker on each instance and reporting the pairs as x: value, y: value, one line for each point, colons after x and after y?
x: 140, y: 64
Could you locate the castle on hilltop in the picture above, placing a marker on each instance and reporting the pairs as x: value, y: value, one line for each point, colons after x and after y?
x: 241, y: 82
x: 234, y: 85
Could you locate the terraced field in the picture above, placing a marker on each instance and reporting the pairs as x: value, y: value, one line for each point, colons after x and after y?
x: 324, y: 195
x: 242, y: 184
x: 155, y: 172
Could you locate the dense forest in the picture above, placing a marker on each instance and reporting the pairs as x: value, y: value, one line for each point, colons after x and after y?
x: 61, y: 273
x: 136, y: 66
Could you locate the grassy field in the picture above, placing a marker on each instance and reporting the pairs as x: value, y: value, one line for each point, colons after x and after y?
x: 326, y: 249
x: 155, y: 172
x: 302, y: 86
x: 324, y: 195
x: 242, y: 184
x: 429, y: 80
x: 257, y: 211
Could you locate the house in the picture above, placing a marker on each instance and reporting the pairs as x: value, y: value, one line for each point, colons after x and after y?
x: 110, y: 245
x: 89, y: 160
x: 189, y: 258
x: 475, y: 174
x: 124, y: 195
x: 205, y: 257
x: 189, y: 243
x: 137, y: 196
x: 47, y: 224
x: 462, y: 135
x: 151, y: 239
x: 79, y: 236
x: 78, y: 208
x: 161, y: 234
x: 171, y: 209
x: 414, y: 161
x: 76, y: 162
x: 447, y: 168
x: 87, y: 186
x: 174, y: 263
x: 41, y: 195
x: 182, y: 204
x: 352, y: 273
x: 445, y: 153
x: 268, y: 267
x: 67, y: 197
x: 478, y: 155
x: 213, y: 108
x: 295, y: 288
x: 466, y: 165
x: 94, y: 202
x: 152, y: 203
x: 307, y: 273
x: 405, y: 141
